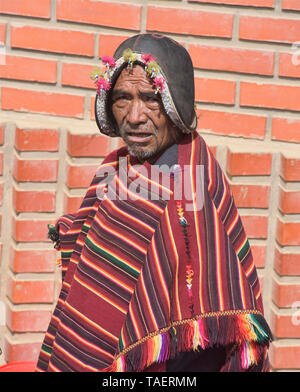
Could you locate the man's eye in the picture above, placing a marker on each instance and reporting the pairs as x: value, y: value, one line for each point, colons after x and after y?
x: 152, y: 99
x: 120, y: 98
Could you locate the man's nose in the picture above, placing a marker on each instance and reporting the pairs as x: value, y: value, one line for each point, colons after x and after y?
x: 136, y: 112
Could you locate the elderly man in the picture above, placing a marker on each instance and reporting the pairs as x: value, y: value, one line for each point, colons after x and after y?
x: 157, y: 270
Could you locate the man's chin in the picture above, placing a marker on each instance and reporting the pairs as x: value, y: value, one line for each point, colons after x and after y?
x: 140, y: 152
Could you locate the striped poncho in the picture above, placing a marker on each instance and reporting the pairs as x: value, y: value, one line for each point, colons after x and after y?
x: 145, y: 278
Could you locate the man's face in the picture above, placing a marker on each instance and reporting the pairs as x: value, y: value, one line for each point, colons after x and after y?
x: 138, y: 111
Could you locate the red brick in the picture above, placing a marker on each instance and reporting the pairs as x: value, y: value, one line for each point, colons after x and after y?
x: 251, y: 196
x: 259, y: 255
x: 16, y: 351
x: 194, y: 22
x: 71, y: 203
x: 255, y: 226
x: 284, y: 357
x: 287, y: 263
x: 249, y: 164
x: 290, y: 169
x: 80, y: 176
x: 32, y: 260
x: 30, y: 291
x: 215, y: 91
x: 285, y: 326
x: 29, y: 69
x: 35, y: 170
x: 2, y: 33
x: 289, y: 64
x: 77, y: 75
x: 36, y: 139
x: 122, y: 16
x: 290, y: 5
x: 231, y: 124
x: 285, y: 294
x: 30, y: 230
x: 247, y: 3
x: 27, y: 320
x: 88, y: 145
x: 56, y: 104
x: 53, y: 40
x: 232, y: 59
x: 289, y: 202
x: 270, y: 96
x: 26, y: 8
x: 33, y: 200
x: 109, y: 43
x: 269, y: 29
x: 288, y: 233
x: 287, y: 130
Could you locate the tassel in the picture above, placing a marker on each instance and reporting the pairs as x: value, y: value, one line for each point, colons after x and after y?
x: 261, y: 335
x: 120, y: 365
x: 245, y: 331
x: 164, y: 348
x: 196, y: 335
x: 248, y: 355
x: 157, y: 347
x: 150, y: 352
x: 53, y: 236
x: 202, y: 334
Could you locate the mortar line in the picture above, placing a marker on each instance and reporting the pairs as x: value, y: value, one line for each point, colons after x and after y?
x: 271, y: 237
x: 53, y: 11
x: 143, y: 28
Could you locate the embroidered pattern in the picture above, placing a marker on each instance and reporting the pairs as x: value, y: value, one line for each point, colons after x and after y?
x: 189, y: 269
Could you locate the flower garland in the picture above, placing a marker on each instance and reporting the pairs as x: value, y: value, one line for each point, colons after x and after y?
x: 101, y: 76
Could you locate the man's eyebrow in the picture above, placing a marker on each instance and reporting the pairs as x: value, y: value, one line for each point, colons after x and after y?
x: 118, y: 92
x: 149, y: 94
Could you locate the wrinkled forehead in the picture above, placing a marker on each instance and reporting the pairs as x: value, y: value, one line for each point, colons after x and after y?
x: 135, y: 78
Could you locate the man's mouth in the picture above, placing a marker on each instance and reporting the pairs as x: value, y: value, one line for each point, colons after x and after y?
x: 138, y: 137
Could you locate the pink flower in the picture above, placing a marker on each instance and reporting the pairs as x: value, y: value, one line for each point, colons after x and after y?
x: 147, y: 57
x: 102, y: 84
x: 159, y: 84
x: 108, y: 60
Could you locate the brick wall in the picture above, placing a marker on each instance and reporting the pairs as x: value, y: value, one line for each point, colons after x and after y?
x: 246, y: 55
